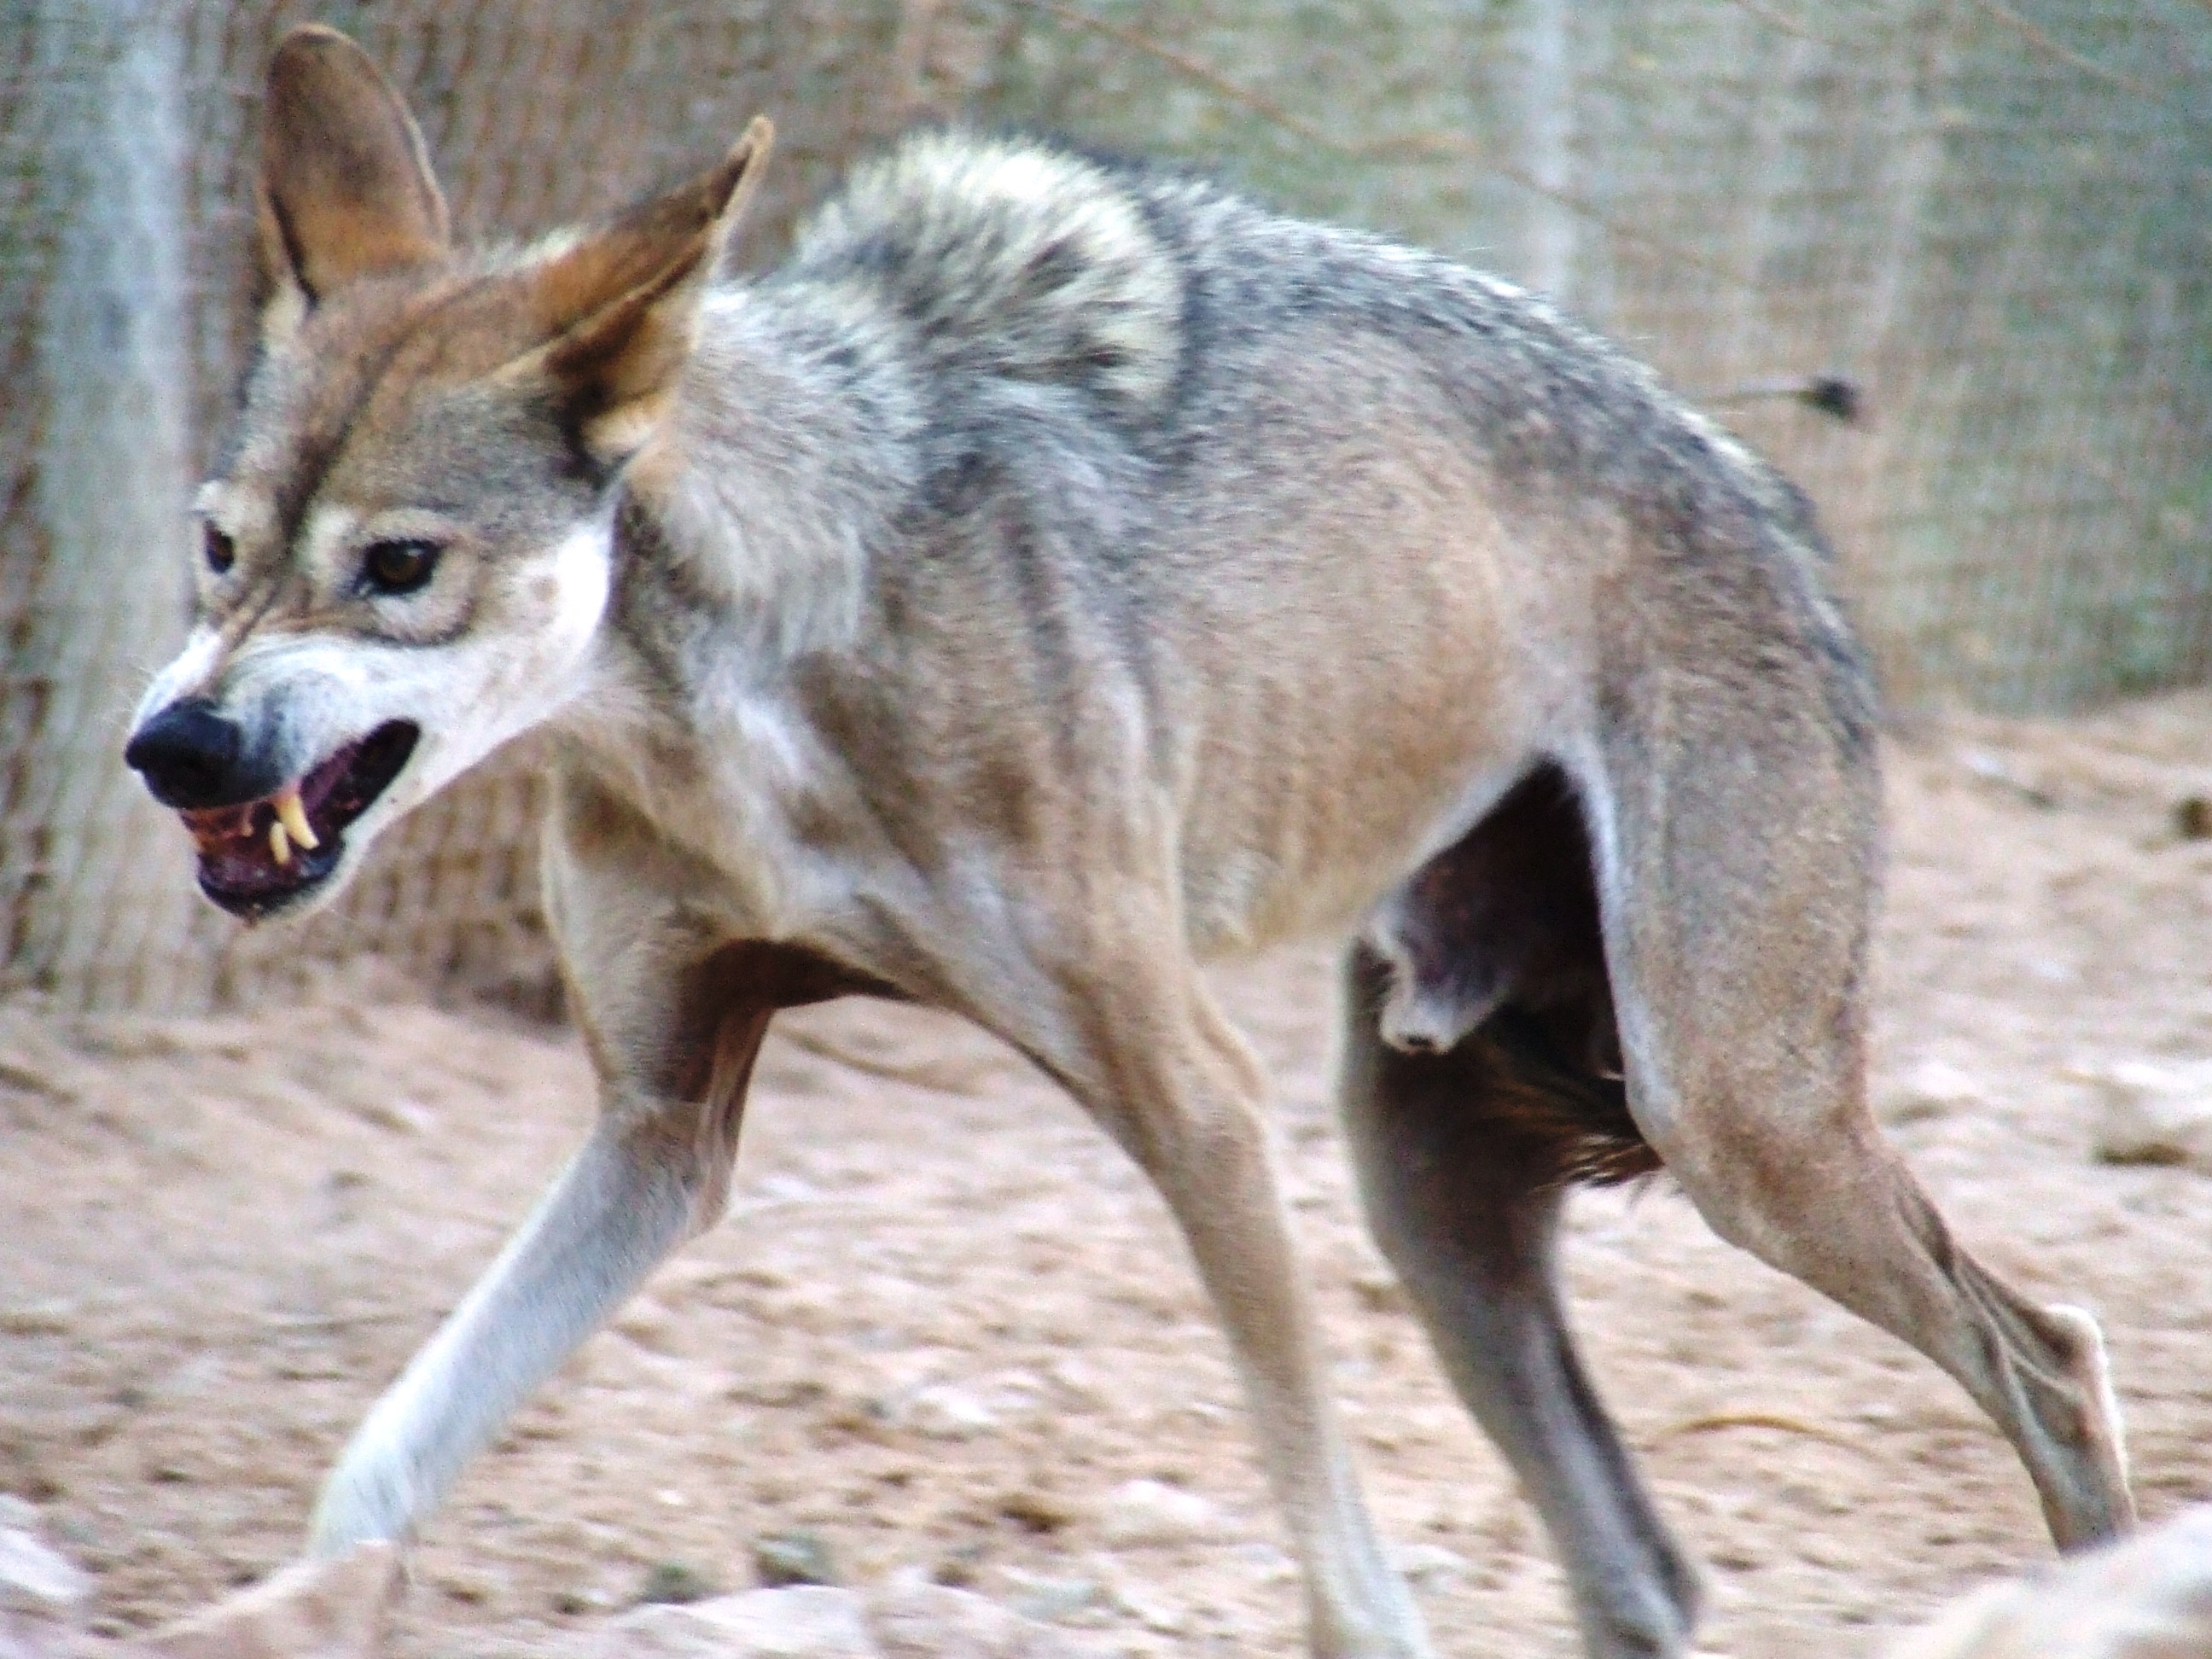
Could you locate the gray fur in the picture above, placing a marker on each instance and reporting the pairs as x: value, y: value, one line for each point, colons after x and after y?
x: 1060, y: 573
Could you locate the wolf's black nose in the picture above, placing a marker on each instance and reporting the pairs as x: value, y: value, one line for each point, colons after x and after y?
x: 188, y: 755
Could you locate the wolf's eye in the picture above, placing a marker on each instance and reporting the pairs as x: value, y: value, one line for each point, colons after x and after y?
x: 220, y: 551
x: 389, y: 568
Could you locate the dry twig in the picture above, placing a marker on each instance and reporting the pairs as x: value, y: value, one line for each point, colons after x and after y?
x: 2065, y: 54
x: 1775, y: 20
x: 1713, y: 1420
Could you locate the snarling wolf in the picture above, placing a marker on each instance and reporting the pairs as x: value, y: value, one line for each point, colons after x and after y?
x: 1056, y: 574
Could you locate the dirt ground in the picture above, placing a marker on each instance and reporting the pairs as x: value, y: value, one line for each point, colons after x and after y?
x: 944, y: 1320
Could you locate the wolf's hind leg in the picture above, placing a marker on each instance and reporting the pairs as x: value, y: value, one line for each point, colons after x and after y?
x: 1827, y: 1201
x: 1739, y: 900
x: 1465, y: 1202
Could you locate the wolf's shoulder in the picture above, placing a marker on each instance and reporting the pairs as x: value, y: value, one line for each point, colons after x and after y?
x: 1015, y: 257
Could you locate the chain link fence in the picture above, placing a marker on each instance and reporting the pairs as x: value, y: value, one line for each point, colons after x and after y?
x: 1984, y: 227
x: 1994, y: 221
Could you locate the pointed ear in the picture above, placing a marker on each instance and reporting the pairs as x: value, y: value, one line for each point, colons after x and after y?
x: 620, y: 304
x: 346, y: 189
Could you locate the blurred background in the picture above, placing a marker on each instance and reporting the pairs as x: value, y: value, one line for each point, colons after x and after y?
x: 1948, y: 262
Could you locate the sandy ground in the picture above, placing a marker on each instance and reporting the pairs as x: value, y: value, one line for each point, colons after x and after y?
x: 945, y: 1320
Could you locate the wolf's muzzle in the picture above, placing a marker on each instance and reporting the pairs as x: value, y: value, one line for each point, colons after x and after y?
x: 191, y: 756
x: 265, y: 839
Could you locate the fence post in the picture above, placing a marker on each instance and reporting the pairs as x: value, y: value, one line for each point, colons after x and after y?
x: 1549, y: 104
x: 95, y: 889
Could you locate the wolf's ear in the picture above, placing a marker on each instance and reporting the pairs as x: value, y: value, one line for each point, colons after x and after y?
x: 346, y: 189
x: 620, y: 304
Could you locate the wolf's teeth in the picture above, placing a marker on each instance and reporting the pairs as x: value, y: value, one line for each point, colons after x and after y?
x: 280, y: 844
x: 293, y: 817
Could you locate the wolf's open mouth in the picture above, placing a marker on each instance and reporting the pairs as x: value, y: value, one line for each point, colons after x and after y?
x: 260, y: 855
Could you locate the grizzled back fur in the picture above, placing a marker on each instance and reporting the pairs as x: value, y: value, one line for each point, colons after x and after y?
x: 1010, y: 259
x: 1158, y: 298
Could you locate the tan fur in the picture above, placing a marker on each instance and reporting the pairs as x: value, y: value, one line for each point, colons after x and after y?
x: 346, y: 188
x: 1057, y: 576
x: 619, y: 308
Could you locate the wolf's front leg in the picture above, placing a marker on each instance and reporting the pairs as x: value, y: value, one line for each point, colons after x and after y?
x: 635, y: 1191
x: 673, y: 1022
x: 1135, y: 1035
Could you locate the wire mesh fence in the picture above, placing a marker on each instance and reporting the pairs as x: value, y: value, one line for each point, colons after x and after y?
x: 1986, y: 226
x: 1993, y: 221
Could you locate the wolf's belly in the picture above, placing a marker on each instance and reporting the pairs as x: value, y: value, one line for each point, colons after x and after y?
x: 1313, y: 862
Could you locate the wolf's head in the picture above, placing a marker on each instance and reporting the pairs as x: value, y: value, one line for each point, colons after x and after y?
x: 405, y: 548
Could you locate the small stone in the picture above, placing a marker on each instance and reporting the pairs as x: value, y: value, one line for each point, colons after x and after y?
x: 929, y: 1621
x: 1148, y: 1512
x: 1137, y: 1601
x: 2192, y: 817
x: 1430, y: 1565
x: 1267, y: 1563
x: 675, y: 1583
x: 646, y: 1321
x: 1053, y: 1599
x: 405, y: 1116
x: 789, y: 1190
x: 471, y: 1588
x: 55, y: 1316
x: 2154, y: 1114
x: 793, y: 1558
x: 333, y: 1609
x: 1378, y: 1289
x: 1933, y: 1088
x: 805, y: 1622
x: 36, y: 1579
x: 1035, y: 1511
x: 1992, y: 768
x: 1080, y: 1383
x: 943, y: 1411
x: 959, y: 1567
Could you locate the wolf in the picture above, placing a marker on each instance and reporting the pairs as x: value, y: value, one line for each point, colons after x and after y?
x: 1056, y: 574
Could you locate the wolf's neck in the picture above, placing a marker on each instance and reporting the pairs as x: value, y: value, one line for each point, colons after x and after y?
x: 790, y: 451
x: 745, y: 541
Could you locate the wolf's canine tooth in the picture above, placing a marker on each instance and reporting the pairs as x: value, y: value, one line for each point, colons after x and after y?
x: 280, y: 844
x: 293, y: 816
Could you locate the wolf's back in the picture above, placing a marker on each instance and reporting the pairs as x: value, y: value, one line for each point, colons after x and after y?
x: 1009, y: 259
x: 1173, y: 305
